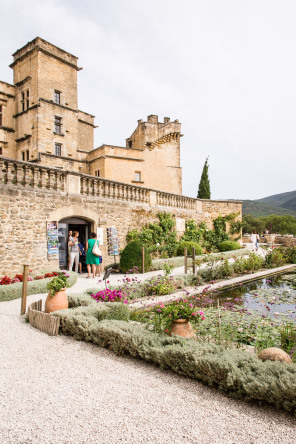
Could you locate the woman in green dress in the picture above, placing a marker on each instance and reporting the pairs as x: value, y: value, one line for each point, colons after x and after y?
x: 91, y: 260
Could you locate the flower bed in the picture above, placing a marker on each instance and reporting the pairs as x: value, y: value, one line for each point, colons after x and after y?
x: 35, y: 286
x: 110, y: 296
x: 6, y: 280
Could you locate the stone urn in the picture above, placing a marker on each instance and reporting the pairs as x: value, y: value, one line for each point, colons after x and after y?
x: 274, y: 354
x: 182, y: 327
x: 57, y: 302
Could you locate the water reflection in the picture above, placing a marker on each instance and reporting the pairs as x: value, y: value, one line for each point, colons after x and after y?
x: 279, y: 302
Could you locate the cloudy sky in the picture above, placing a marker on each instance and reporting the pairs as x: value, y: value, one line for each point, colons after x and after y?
x: 225, y: 68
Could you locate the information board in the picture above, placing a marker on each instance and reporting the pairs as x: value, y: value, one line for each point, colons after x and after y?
x: 113, y: 242
x: 52, y: 240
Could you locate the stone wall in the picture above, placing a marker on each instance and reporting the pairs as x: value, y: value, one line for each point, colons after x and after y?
x: 32, y: 195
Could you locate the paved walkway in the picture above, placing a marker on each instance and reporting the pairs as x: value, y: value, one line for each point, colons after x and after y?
x: 55, y: 390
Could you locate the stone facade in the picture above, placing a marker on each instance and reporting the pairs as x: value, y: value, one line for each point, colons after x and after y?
x: 32, y: 195
x: 40, y: 122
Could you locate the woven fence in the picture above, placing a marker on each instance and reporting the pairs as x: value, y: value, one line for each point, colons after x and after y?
x: 43, y: 321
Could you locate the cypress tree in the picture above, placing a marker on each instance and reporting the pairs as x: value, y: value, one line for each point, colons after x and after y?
x: 204, y: 191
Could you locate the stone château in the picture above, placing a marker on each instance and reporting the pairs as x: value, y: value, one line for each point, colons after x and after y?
x: 50, y: 175
x: 40, y: 122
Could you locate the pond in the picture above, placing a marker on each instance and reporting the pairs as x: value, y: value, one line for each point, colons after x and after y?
x: 273, y: 296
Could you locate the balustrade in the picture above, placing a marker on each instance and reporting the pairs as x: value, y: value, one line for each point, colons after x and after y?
x: 14, y: 172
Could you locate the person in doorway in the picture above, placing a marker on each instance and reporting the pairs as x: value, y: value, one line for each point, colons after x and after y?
x: 69, y: 248
x: 92, y: 261
x: 74, y: 251
x: 81, y: 255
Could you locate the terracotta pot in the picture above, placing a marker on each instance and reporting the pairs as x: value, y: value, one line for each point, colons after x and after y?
x: 182, y: 327
x: 58, y: 302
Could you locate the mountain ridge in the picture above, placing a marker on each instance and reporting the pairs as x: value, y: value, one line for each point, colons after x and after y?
x: 281, y: 204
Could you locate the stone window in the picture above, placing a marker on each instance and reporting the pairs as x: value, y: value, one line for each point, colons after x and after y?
x: 58, y: 125
x: 130, y: 144
x: 23, y: 155
x: 25, y: 100
x: 57, y: 97
x: 58, y: 149
x: 27, y: 155
x: 1, y: 151
x: 1, y: 115
x: 97, y: 173
x: 137, y: 176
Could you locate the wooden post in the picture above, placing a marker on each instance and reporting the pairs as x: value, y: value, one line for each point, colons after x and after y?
x: 24, y: 289
x: 143, y: 259
x: 193, y: 261
x: 185, y: 260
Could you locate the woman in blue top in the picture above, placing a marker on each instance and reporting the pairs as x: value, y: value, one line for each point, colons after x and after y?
x: 91, y: 260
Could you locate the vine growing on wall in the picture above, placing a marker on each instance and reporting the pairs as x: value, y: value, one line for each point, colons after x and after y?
x: 157, y: 237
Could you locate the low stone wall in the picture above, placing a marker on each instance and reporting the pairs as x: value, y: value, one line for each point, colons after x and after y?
x: 287, y: 241
x: 31, y: 196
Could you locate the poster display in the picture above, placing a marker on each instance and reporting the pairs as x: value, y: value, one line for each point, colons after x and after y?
x: 52, y: 240
x: 113, y: 242
x: 100, y: 236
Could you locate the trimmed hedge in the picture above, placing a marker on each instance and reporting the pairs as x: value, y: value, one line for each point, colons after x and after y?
x: 14, y: 291
x: 158, y: 264
x: 228, y: 246
x: 189, y: 246
x: 131, y: 257
x: 237, y: 373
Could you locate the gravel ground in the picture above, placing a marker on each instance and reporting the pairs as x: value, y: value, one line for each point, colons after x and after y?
x: 55, y: 390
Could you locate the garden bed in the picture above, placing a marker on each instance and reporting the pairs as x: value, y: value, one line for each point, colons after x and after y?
x: 235, y: 372
x: 14, y: 291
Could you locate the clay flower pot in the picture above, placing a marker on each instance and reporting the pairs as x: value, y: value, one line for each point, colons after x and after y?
x: 58, y: 302
x: 182, y: 327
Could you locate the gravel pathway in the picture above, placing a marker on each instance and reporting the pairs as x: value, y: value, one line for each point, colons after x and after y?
x: 55, y: 390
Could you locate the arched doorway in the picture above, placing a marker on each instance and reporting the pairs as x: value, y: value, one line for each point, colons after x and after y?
x: 71, y: 224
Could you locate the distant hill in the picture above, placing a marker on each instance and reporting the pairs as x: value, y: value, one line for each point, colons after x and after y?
x: 258, y: 209
x: 279, y: 200
x: 281, y: 204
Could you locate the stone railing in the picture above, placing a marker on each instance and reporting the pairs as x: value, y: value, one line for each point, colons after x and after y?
x: 176, y: 201
x: 28, y: 174
x: 37, y: 176
x: 96, y: 186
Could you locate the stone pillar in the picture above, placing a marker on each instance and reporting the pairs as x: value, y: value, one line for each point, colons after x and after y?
x: 152, y: 198
x: 73, y: 184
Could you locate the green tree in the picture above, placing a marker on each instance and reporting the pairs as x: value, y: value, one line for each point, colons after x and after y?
x: 204, y: 191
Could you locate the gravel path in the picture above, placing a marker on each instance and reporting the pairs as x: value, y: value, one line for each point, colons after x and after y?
x: 55, y: 390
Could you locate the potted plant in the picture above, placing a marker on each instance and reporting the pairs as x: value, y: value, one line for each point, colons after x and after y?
x: 176, y: 318
x: 57, y: 298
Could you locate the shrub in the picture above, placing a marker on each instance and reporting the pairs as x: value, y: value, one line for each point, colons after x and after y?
x: 110, y: 296
x: 10, y: 292
x: 228, y: 246
x: 189, y: 246
x: 158, y: 264
x: 131, y: 256
x: 160, y: 285
x: 235, y: 372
